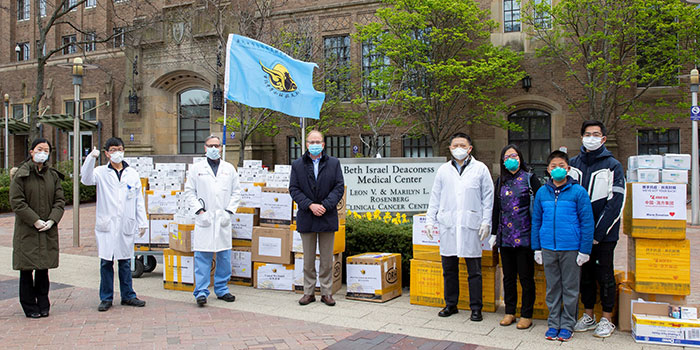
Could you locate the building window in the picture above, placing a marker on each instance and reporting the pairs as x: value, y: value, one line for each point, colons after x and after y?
x: 69, y: 47
x: 90, y: 3
x: 383, y: 146
x: 42, y: 8
x: 511, y: 16
x: 119, y: 37
x: 90, y: 41
x: 535, y: 138
x: 417, y: 147
x: 543, y: 16
x: 193, y: 111
x: 337, y: 65
x: 294, y: 149
x: 653, y: 142
x: 89, y: 112
x: 371, y: 62
x: 338, y: 146
x: 70, y: 4
x: 18, y: 111
x: 23, y: 54
x: 23, y: 9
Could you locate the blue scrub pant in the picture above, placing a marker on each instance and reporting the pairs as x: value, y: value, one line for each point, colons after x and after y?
x: 202, y: 271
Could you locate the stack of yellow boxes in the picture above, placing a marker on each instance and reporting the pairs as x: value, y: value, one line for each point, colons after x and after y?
x: 426, y: 271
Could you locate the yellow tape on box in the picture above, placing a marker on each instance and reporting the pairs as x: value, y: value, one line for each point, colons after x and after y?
x: 659, y: 266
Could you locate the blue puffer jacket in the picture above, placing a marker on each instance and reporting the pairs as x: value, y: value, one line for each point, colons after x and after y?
x: 562, y: 218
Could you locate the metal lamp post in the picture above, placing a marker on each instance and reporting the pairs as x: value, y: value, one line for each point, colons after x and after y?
x: 7, y: 131
x: 695, y: 172
x: 77, y: 81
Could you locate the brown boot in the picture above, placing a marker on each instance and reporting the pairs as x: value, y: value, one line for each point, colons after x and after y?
x: 524, y: 323
x: 328, y: 300
x: 307, y: 299
x: 507, y: 320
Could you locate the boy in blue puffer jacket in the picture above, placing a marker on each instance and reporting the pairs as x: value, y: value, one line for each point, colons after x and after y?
x: 562, y: 237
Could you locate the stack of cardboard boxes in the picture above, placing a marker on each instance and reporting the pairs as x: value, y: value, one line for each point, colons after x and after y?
x: 426, y: 271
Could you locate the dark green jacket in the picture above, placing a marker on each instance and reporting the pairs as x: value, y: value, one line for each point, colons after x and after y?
x: 35, y: 195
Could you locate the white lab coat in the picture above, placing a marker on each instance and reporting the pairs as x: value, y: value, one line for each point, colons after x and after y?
x: 459, y: 205
x: 212, y: 229
x: 121, y: 210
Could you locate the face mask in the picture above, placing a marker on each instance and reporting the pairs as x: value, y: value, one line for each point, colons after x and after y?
x: 459, y: 153
x: 213, y: 153
x: 511, y: 164
x: 116, y: 157
x: 40, y: 157
x: 558, y: 174
x: 592, y: 143
x: 315, y: 149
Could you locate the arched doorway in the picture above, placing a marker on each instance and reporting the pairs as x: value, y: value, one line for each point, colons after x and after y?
x: 193, y: 120
x: 535, y: 139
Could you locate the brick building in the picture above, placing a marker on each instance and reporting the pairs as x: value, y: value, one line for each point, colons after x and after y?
x: 175, y: 56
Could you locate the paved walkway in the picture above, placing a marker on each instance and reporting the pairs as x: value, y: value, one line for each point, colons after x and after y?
x: 259, y: 319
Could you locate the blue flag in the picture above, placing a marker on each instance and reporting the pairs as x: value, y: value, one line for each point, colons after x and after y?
x: 258, y: 75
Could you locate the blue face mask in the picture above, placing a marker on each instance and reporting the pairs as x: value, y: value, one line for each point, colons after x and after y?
x: 511, y: 164
x: 315, y: 149
x: 558, y: 174
x: 213, y: 153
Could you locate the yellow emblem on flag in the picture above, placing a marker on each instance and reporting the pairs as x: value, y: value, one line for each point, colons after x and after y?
x: 279, y: 78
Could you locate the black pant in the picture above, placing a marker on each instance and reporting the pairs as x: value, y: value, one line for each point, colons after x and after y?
x: 599, y: 269
x: 518, y: 262
x: 450, y: 274
x: 34, y: 291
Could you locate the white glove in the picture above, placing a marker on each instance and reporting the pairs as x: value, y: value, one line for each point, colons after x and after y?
x: 492, y: 241
x: 582, y: 259
x: 95, y: 153
x: 484, y: 231
x: 142, y: 231
x: 39, y: 224
x: 47, y: 225
x: 538, y: 257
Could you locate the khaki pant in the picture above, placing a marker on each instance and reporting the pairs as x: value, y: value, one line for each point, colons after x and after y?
x: 325, y: 273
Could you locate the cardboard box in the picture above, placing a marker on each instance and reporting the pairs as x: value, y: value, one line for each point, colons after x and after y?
x: 341, y: 207
x: 674, y: 176
x: 251, y: 194
x: 338, y: 241
x: 241, y: 266
x: 647, y: 175
x: 242, y: 225
x: 653, y: 161
x: 677, y: 161
x: 162, y: 202
x: 659, y: 266
x: 651, y: 325
x: 427, y: 285
x: 272, y: 245
x: 426, y: 245
x: 337, y: 273
x: 181, y: 237
x: 374, y: 276
x: 627, y: 295
x: 273, y: 276
x: 656, y: 211
x: 242, y: 242
x: 159, y: 228
x: 252, y: 163
x: 632, y: 176
x: 276, y: 207
x: 178, y: 270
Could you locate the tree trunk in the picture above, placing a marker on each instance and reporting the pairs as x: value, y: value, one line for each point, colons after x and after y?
x: 241, y: 155
x: 34, y: 110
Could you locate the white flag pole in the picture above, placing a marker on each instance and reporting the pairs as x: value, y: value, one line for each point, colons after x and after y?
x: 225, y: 131
x: 303, y: 134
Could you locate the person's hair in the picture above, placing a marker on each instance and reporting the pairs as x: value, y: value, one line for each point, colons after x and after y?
x: 212, y: 137
x: 113, y: 141
x: 314, y: 131
x: 558, y: 154
x: 597, y: 123
x: 522, y: 165
x: 39, y: 140
x: 462, y: 136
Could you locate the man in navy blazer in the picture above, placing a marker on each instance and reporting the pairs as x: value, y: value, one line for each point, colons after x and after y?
x: 316, y: 185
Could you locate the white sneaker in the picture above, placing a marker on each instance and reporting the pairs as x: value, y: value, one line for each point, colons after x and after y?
x: 604, y: 329
x: 585, y: 323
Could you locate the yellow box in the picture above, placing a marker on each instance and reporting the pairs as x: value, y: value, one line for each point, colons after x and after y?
x: 373, y: 276
x: 649, y: 228
x: 427, y: 285
x: 178, y: 270
x: 273, y: 276
x: 242, y: 242
x: 659, y: 266
x: 426, y: 252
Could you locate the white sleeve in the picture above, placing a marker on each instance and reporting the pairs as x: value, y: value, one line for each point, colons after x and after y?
x: 87, y: 172
x: 434, y: 204
x: 235, y: 193
x: 486, y: 196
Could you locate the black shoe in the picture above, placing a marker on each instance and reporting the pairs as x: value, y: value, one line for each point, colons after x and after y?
x: 201, y: 300
x: 104, y: 305
x: 228, y: 297
x: 448, y: 311
x: 476, y: 316
x: 44, y: 313
x: 134, y: 302
x: 33, y: 315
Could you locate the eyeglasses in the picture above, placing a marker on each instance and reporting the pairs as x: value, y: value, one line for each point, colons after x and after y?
x: 112, y: 150
x: 507, y: 156
x: 594, y: 134
x: 314, y: 142
x: 214, y: 145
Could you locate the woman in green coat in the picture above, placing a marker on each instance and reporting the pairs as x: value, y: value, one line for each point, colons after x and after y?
x: 37, y: 199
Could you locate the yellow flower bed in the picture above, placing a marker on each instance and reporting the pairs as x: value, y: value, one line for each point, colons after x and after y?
x: 396, y: 219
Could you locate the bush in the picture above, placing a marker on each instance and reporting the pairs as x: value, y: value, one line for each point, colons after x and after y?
x: 363, y: 236
x: 87, y: 193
